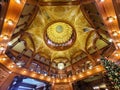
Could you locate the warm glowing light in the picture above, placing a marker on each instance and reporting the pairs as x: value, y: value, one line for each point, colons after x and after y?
x: 2, y: 48
x: 80, y: 75
x: 96, y: 87
x: 10, y: 22
x: 118, y: 32
x: 4, y: 58
x: 98, y: 59
x: 45, y: 74
x: 24, y: 71
x: 98, y: 69
x: 41, y: 77
x: 115, y: 34
x: 10, y: 72
x: 33, y: 75
x: 88, y: 73
x: 57, y: 80
x: 65, y: 80
x: 18, y: 1
x: 110, y: 40
x: 118, y: 44
x: 74, y: 78
x: 116, y: 54
x: 90, y: 67
x: 102, y: 0
x: 11, y: 66
x: 110, y: 19
x: 48, y: 79
x: 9, y: 44
x: 5, y: 37
x: 60, y: 66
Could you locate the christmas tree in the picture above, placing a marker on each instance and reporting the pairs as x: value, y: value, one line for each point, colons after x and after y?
x: 112, y: 71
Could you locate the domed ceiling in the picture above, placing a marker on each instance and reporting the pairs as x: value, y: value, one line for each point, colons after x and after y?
x: 56, y: 40
x: 60, y: 33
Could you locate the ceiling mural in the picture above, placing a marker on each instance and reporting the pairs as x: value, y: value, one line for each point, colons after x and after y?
x: 59, y: 35
x: 56, y: 39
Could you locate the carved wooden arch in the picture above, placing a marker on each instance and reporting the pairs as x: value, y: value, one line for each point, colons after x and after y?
x: 86, y: 50
x: 31, y: 39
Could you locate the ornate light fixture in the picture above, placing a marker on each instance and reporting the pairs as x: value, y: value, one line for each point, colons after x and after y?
x: 61, y: 66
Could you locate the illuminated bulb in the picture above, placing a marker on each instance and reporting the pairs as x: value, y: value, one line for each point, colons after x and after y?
x: 24, y: 71
x: 61, y: 77
x: 5, y: 37
x: 45, y: 74
x: 18, y: 1
x: 9, y: 44
x: 102, y: 0
x: 117, y: 54
x: 65, y: 80
x: 48, y: 78
x: 57, y: 80
x: 110, y: 40
x: 10, y: 72
x: 80, y: 75
x: 98, y: 69
x: 88, y: 72
x: 2, y: 48
x: 74, y: 78
x: 118, y: 32
x: 69, y: 75
x: 98, y: 60
x: 115, y: 34
x: 118, y: 44
x: 41, y: 77
x: 90, y: 67
x: 4, y: 58
x: 11, y: 66
x: 10, y: 22
x: 96, y: 87
x: 110, y: 19
x: 33, y: 75
x: 61, y: 66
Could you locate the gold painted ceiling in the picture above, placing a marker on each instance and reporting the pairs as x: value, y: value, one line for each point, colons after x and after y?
x: 60, y: 33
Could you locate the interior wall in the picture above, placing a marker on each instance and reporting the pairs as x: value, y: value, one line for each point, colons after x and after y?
x: 6, y: 78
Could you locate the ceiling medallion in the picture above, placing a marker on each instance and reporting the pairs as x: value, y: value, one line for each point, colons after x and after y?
x: 60, y: 35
